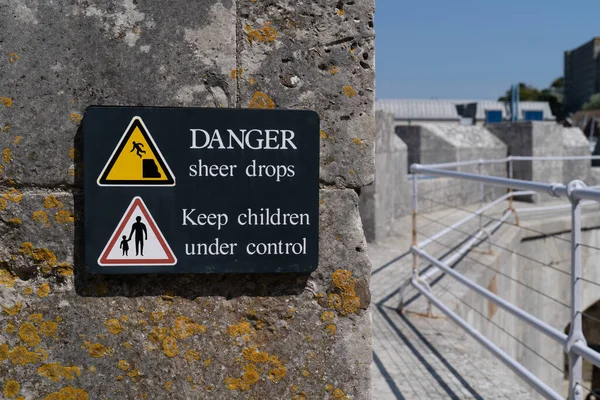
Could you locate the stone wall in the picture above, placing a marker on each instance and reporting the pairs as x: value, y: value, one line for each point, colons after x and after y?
x: 387, y: 198
x: 64, y: 332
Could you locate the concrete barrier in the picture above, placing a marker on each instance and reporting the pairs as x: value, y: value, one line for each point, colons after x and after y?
x: 65, y: 333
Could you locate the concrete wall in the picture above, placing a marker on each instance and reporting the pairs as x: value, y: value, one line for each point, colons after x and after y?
x: 66, y: 333
x: 387, y: 198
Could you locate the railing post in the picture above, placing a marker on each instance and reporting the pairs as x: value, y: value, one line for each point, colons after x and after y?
x: 510, y: 176
x: 576, y: 330
x: 481, y: 195
x: 414, y: 225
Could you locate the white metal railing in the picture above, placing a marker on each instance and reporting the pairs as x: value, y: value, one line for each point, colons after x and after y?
x: 576, y: 191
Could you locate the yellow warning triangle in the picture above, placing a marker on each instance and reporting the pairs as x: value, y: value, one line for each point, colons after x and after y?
x: 136, y: 161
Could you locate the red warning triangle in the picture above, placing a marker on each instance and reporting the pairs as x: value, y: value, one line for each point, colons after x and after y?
x: 137, y: 240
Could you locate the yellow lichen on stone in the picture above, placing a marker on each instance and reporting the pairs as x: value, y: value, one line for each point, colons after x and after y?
x: 64, y: 217
x: 15, y: 221
x: 265, y: 33
x: 236, y: 73
x: 7, y: 101
x: 249, y: 377
x: 64, y: 269
x: 323, y: 135
x: 157, y: 316
x: 68, y: 393
x: 72, y: 154
x: 357, y: 141
x: 92, y: 368
x: 43, y: 290
x: 12, y: 57
x: 28, y: 290
x: 52, y: 202
x: 48, y: 328
x: 17, y: 140
x: 331, y: 329
x: 305, y: 373
x: 6, y: 128
x: 10, y: 328
x: 333, y: 70
x: 168, y: 385
x: 243, y: 328
x: 36, y: 318
x: 252, y: 354
x: 134, y: 375
x: 192, y: 355
x: 41, y: 218
x: 7, y: 155
x: 158, y: 334
x: 97, y: 350
x: 206, y: 362
x: 170, y: 346
x: 261, y: 100
x: 26, y: 248
x: 185, y: 327
x: 252, y: 81
x: 13, y: 195
x: 56, y: 371
x: 43, y: 354
x: 340, y: 12
x: 3, y: 351
x: 339, y: 394
x: 114, y: 326
x: 278, y: 373
x: 75, y: 118
x: 14, y: 310
x: 349, y: 302
x: 47, y: 259
x: 327, y: 316
x: 20, y: 355
x: 29, y: 334
x: 2, y: 201
x: 123, y: 365
x: 349, y: 91
x: 11, y: 388
x: 6, y: 278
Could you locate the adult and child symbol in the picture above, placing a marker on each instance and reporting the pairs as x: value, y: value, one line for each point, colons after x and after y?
x: 141, y: 234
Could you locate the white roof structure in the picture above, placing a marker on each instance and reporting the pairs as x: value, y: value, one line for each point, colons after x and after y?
x: 445, y: 110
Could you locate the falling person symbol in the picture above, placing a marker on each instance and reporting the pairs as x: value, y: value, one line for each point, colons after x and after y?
x: 141, y: 234
x: 138, y: 149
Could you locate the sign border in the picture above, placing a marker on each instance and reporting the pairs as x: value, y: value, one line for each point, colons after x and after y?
x: 136, y: 122
x: 136, y: 201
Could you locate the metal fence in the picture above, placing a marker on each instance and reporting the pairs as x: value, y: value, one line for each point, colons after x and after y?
x: 579, y: 196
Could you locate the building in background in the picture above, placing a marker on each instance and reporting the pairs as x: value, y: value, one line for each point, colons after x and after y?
x: 582, y: 74
x: 465, y: 112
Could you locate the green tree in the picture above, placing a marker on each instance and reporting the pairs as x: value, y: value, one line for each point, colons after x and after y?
x: 593, y: 104
x: 552, y: 95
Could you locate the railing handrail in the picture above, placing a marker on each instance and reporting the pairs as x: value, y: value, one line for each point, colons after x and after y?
x: 464, y: 163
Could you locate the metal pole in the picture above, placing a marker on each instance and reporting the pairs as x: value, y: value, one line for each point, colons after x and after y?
x: 414, y: 225
x: 510, y: 176
x: 576, y: 331
x: 481, y: 195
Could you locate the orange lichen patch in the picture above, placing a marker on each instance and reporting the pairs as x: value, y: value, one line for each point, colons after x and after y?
x: 6, y: 278
x: 43, y: 290
x: 20, y: 355
x: 339, y: 394
x: 249, y: 377
x: 7, y: 101
x: 168, y: 385
x: 334, y: 301
x: 252, y: 81
x: 340, y: 12
x: 265, y: 33
x: 2, y: 201
x: 357, y: 141
x: 185, y: 327
x: 192, y: 355
x: 300, y: 396
x: 17, y: 140
x: 348, y: 302
x: 64, y: 217
x: 236, y: 73
x: 71, y: 171
x: 68, y: 393
x: 11, y: 389
x: 134, y: 375
x: 14, y: 310
x: 12, y: 57
x: 349, y: 91
x: 41, y: 218
x: 56, y: 371
x: 305, y: 373
x: 127, y: 345
x: 47, y: 259
x: 170, y: 346
x: 278, y: 373
x: 327, y: 316
x: 75, y: 118
x: 7, y: 155
x: 251, y: 354
x: 243, y: 328
x: 72, y: 154
x: 97, y: 350
x: 28, y: 290
x: 331, y: 329
x: 114, y: 326
x: 3, y: 351
x: 64, y: 269
x: 36, y: 318
x: 92, y: 368
x: 123, y: 365
x: 48, y: 328
x: 157, y: 316
x: 29, y: 334
x: 323, y: 135
x: 52, y: 202
x: 15, y: 221
x: 333, y: 70
x: 13, y: 195
x: 158, y: 334
x: 6, y: 128
x: 26, y: 248
x: 124, y: 318
x: 58, y: 318
x: 261, y: 100
x: 10, y: 328
x: 42, y: 353
x: 206, y: 362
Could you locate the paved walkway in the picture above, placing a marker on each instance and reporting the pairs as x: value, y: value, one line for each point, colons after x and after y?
x: 417, y: 357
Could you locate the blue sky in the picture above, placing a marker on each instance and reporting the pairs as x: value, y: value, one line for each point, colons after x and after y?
x: 475, y: 49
